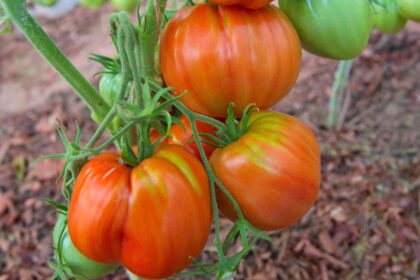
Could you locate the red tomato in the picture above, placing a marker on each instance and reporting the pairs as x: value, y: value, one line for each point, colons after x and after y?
x: 184, y: 136
x: 151, y: 218
x: 250, y: 4
x: 225, y: 54
x: 272, y: 171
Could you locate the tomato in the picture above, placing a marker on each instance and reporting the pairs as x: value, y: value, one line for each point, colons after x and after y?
x: 80, y: 265
x: 126, y: 5
x: 334, y: 29
x: 250, y: 4
x: 150, y: 218
x: 92, y: 4
x: 109, y: 88
x: 206, y: 51
x: 410, y: 9
x: 385, y: 16
x: 272, y: 171
x: 183, y: 135
x: 47, y: 3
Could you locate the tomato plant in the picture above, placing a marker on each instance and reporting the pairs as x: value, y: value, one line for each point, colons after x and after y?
x: 79, y: 265
x: 92, y: 4
x: 272, y: 171
x: 126, y: 5
x: 250, y: 4
x: 385, y: 16
x: 142, y: 217
x: 333, y: 29
x: 206, y: 51
x: 410, y: 9
x: 151, y: 210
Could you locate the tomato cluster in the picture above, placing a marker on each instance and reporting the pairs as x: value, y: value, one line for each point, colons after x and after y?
x: 155, y: 216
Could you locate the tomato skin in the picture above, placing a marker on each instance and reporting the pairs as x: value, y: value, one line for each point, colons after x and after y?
x: 386, y: 18
x: 272, y: 171
x: 409, y: 9
x: 125, y: 5
x: 80, y: 265
x: 92, y: 4
x: 206, y: 50
x: 333, y: 29
x: 133, y: 216
x: 183, y: 135
x: 249, y: 4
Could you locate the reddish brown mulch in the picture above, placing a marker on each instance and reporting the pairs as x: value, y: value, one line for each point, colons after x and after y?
x: 365, y: 224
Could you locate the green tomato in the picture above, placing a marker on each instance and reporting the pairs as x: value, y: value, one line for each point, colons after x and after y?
x: 80, y: 266
x: 126, y: 5
x: 385, y: 16
x: 337, y: 29
x: 47, y: 3
x: 410, y: 9
x: 109, y: 88
x: 92, y: 4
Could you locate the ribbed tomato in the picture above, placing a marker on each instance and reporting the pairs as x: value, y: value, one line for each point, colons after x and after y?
x: 272, y: 171
x: 225, y: 54
x: 183, y: 135
x: 249, y: 4
x: 151, y: 218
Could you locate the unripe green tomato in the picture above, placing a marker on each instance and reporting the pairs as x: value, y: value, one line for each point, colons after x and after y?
x: 386, y: 17
x: 92, y: 4
x: 337, y: 29
x: 109, y: 88
x: 47, y: 3
x: 410, y: 9
x: 82, y: 267
x: 126, y: 5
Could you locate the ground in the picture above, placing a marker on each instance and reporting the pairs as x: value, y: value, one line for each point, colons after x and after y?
x: 365, y: 224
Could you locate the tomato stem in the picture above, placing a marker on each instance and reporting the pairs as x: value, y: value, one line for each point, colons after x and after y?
x: 341, y: 79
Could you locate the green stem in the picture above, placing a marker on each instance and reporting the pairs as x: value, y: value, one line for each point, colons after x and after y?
x: 149, y: 28
x: 16, y: 9
x: 95, y: 137
x: 340, y: 83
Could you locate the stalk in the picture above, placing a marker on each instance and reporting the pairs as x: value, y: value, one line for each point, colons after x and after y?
x: 149, y: 29
x: 340, y: 83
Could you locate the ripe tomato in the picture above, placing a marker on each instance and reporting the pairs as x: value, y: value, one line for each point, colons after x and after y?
x: 410, y: 9
x: 386, y: 18
x: 272, y: 171
x: 207, y: 50
x: 126, y: 5
x: 183, y: 135
x: 80, y: 265
x: 334, y: 29
x: 151, y: 218
x: 92, y: 4
x: 250, y: 4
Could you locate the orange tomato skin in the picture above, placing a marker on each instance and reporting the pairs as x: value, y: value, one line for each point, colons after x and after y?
x: 166, y: 206
x: 249, y: 4
x: 273, y: 171
x: 225, y: 54
x: 98, y: 208
x: 184, y: 136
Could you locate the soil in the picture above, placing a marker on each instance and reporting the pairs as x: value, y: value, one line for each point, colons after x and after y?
x: 365, y: 224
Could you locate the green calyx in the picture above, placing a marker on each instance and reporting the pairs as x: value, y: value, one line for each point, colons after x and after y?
x: 233, y: 128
